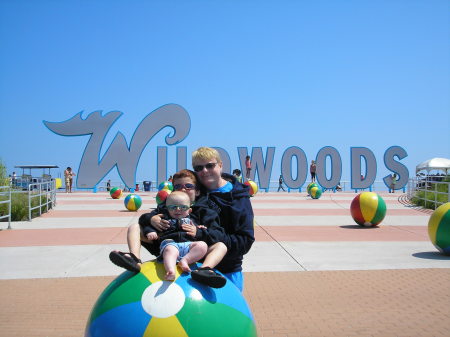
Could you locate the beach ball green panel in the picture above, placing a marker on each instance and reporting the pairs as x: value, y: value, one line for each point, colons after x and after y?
x: 146, y: 305
x: 439, y: 228
x: 315, y: 192
x: 311, y: 185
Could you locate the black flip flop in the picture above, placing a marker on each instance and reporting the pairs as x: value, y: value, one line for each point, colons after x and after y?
x: 129, y: 261
x: 209, y: 277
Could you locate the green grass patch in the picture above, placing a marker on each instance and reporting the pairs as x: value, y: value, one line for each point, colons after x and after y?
x: 19, y: 206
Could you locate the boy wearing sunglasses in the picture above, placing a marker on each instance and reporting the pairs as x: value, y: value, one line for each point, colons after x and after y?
x: 178, y: 248
x: 223, y: 193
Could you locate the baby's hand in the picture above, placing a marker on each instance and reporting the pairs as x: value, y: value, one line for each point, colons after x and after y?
x: 152, y: 236
x: 201, y: 226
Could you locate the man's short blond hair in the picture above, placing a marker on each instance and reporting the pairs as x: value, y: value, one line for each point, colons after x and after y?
x: 205, y: 154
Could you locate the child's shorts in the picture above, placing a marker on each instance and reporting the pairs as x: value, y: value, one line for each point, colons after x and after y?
x: 183, y: 248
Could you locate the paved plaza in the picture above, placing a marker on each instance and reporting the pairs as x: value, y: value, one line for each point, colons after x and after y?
x: 311, y: 272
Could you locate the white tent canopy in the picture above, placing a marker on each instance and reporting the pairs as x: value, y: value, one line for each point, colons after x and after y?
x: 434, y: 164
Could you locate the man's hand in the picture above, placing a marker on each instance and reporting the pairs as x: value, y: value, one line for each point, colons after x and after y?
x: 159, y: 223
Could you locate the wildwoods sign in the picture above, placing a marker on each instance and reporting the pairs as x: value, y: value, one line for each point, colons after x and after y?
x: 94, y: 167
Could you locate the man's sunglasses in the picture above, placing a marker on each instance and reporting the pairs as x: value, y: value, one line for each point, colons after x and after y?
x: 177, y: 207
x: 179, y: 187
x: 209, y: 166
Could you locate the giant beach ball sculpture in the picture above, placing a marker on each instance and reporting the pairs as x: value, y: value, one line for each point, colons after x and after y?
x: 161, y: 196
x: 315, y: 192
x: 132, y: 202
x: 165, y: 185
x: 253, y: 187
x: 439, y: 228
x: 145, y: 305
x: 115, y: 193
x: 368, y: 209
x: 311, y: 185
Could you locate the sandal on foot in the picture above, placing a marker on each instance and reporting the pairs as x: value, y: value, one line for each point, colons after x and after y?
x: 209, y: 277
x: 129, y: 261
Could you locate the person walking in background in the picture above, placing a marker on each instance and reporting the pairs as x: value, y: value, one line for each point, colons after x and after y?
x: 248, y: 167
x: 312, y: 170
x: 280, y: 184
x: 393, y: 181
x: 237, y: 174
x: 108, y: 185
x: 68, y: 177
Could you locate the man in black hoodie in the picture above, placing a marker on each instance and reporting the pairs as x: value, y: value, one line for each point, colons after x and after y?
x: 231, y: 200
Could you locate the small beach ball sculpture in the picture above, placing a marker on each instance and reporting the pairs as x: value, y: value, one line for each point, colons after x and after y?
x: 315, y: 192
x: 161, y: 196
x: 253, y: 187
x: 311, y: 185
x: 368, y: 209
x: 439, y: 228
x: 132, y: 202
x: 115, y: 193
x: 165, y: 185
x: 144, y: 304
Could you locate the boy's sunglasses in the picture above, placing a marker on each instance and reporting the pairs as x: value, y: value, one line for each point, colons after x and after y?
x: 177, y: 207
x: 179, y: 187
x: 209, y: 166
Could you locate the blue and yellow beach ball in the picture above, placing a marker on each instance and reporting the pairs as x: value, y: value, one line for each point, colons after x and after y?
x: 368, y: 209
x: 145, y: 305
x: 439, y: 228
x: 133, y: 202
x: 165, y: 185
x: 315, y: 192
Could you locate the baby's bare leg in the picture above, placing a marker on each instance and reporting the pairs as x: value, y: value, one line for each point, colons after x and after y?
x: 215, y: 254
x: 170, y: 256
x: 196, y: 252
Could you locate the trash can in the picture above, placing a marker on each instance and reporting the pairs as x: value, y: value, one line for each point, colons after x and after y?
x: 147, y: 185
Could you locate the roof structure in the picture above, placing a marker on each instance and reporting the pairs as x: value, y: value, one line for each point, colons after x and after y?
x: 434, y: 164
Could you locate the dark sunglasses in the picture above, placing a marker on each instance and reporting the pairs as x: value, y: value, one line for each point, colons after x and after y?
x: 177, y: 207
x: 209, y: 166
x: 179, y: 187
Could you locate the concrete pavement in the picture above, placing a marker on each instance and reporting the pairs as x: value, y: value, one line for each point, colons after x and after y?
x: 298, y: 241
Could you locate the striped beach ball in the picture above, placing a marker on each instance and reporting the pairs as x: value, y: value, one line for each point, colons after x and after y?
x: 439, y: 228
x: 253, y: 187
x: 161, y: 196
x: 368, y: 209
x: 165, y: 185
x: 311, y: 185
x: 133, y: 202
x: 144, y: 304
x: 315, y: 192
x: 115, y: 193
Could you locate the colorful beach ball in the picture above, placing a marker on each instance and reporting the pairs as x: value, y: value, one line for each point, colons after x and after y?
x: 253, y: 187
x: 143, y: 304
x: 368, y: 209
x: 161, y: 196
x: 115, y: 193
x: 133, y: 202
x: 315, y: 192
x: 439, y: 228
x: 165, y: 185
x: 311, y: 185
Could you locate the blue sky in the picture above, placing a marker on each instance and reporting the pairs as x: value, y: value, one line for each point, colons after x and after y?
x: 250, y: 73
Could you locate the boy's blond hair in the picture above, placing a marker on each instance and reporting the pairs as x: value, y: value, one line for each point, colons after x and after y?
x: 204, y: 154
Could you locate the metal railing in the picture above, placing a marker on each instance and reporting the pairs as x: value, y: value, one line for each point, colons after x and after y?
x: 7, y: 201
x: 45, y: 189
x: 431, y: 188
